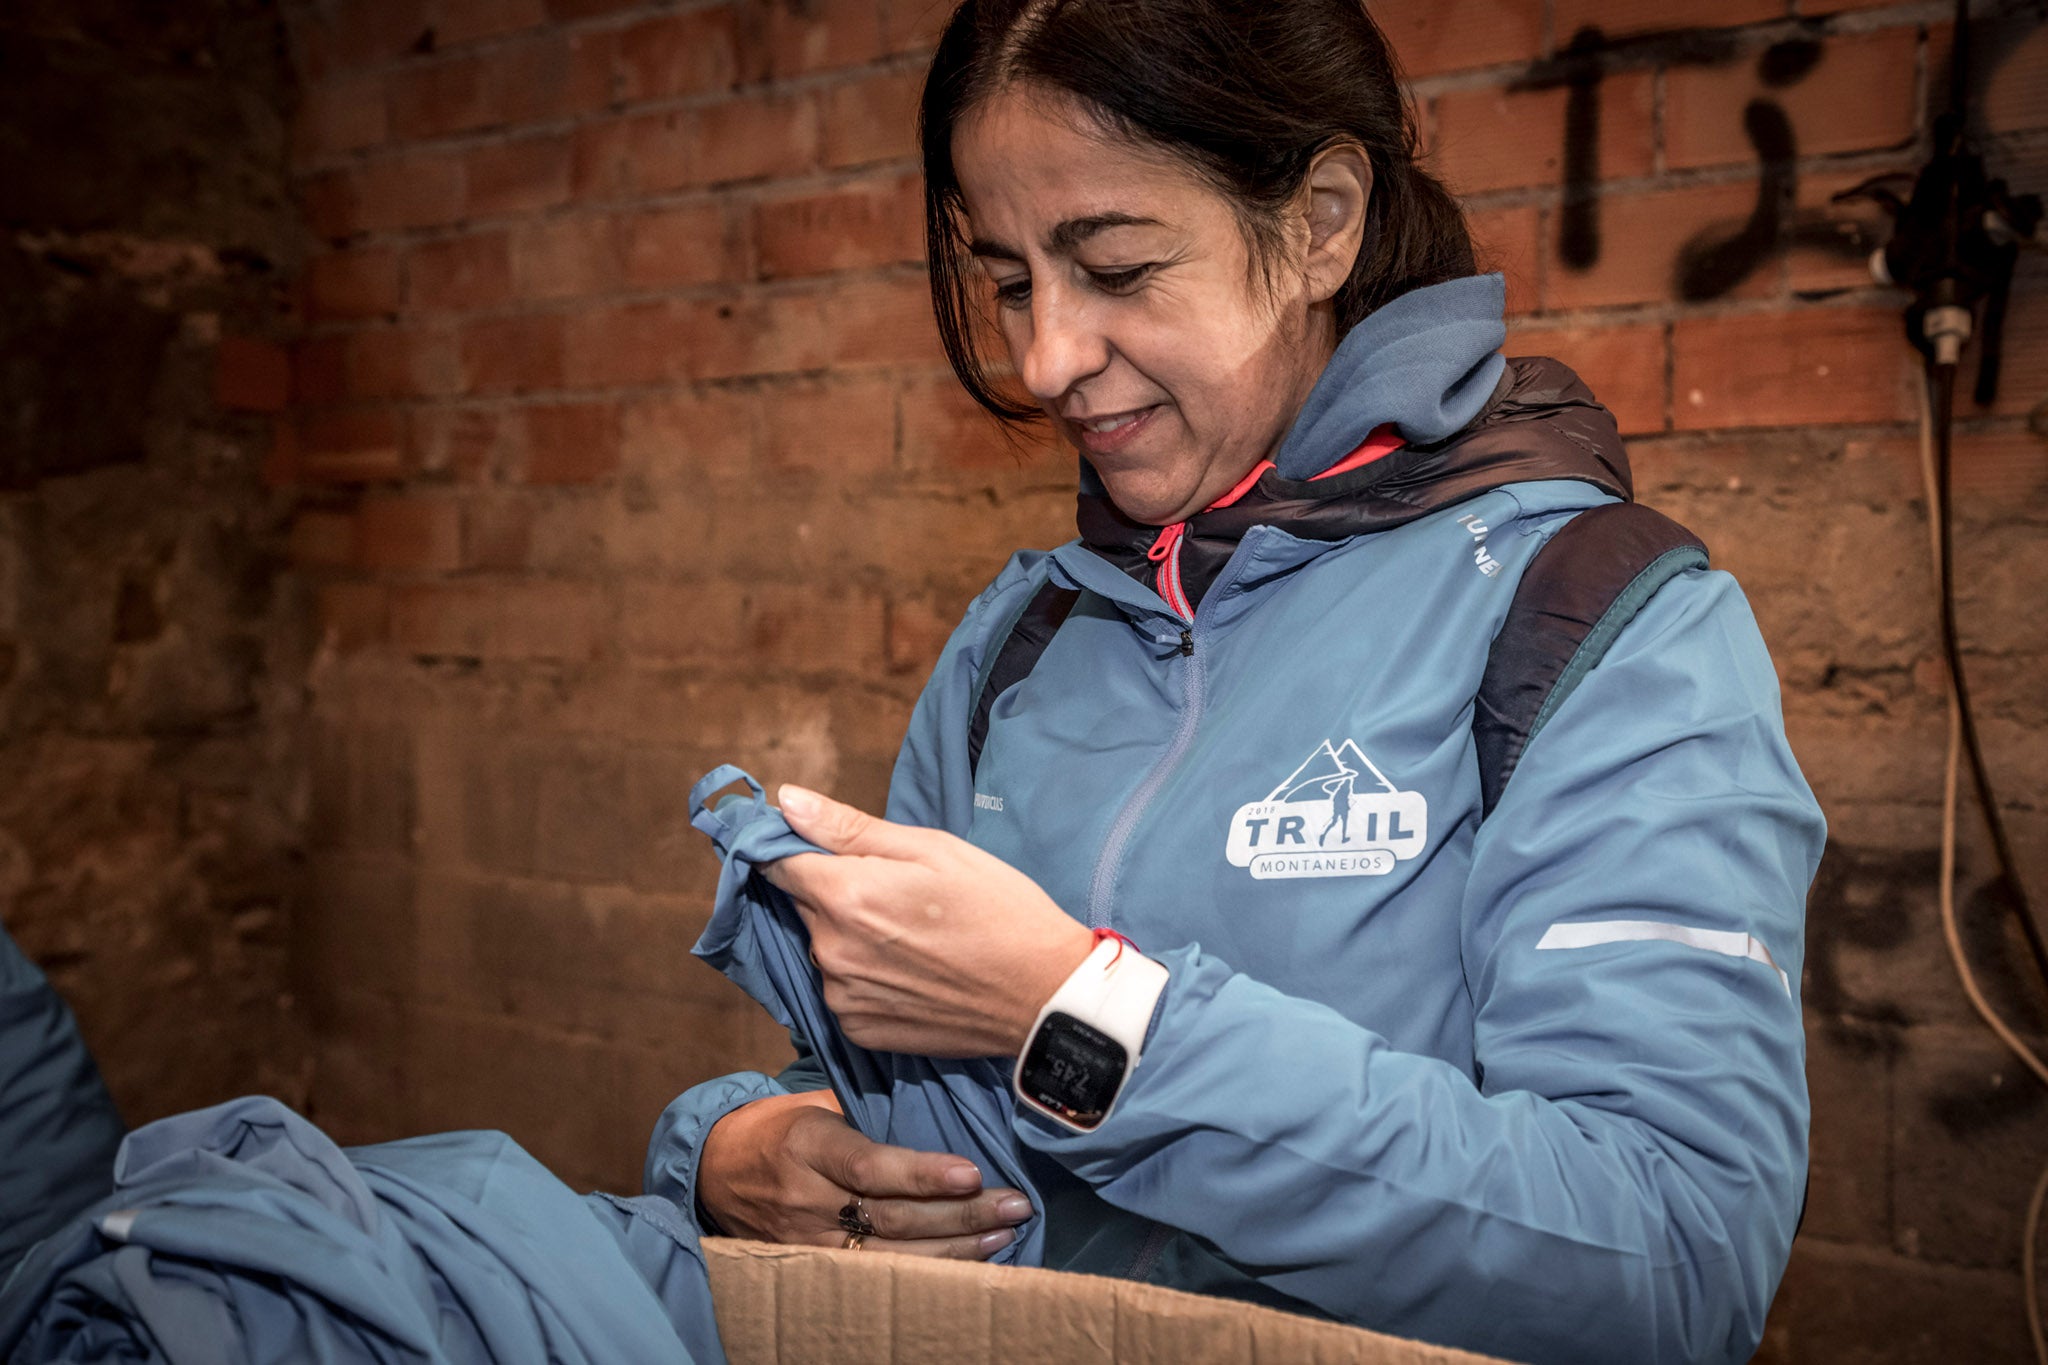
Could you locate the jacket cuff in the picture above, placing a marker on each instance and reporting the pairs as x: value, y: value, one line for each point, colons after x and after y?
x: 678, y: 1142
x: 1190, y: 979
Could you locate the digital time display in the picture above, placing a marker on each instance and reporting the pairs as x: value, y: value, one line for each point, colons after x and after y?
x: 1073, y: 1069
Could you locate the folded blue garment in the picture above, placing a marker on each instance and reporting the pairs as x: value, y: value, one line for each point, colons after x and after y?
x: 757, y: 939
x: 241, y: 1233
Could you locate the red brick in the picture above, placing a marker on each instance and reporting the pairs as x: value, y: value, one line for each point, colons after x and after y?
x: 353, y: 616
x: 462, y: 21
x: 810, y: 628
x: 2023, y: 378
x: 913, y: 25
x: 549, y: 76
x: 821, y: 35
x: 839, y: 427
x: 755, y: 334
x: 351, y: 284
x: 944, y: 430
x: 323, y: 540
x: 512, y: 355
x: 683, y: 438
x: 1615, y: 18
x: 408, y: 534
x: 343, y: 113
x: 1430, y: 36
x: 251, y: 375
x: 1857, y: 98
x: 350, y: 447
x: 1510, y: 241
x: 497, y: 532
x: 1798, y: 368
x: 320, y: 371
x: 571, y: 443
x: 437, y: 99
x: 1623, y: 366
x: 882, y: 322
x: 677, y: 621
x: 399, y: 362
x: 855, y: 227
x: 1642, y: 242
x: 589, y: 9
x: 680, y: 246
x: 327, y: 202
x: 469, y: 444
x: 459, y: 274
x: 567, y: 257
x: 499, y: 621
x: 679, y: 54
x: 518, y: 177
x: 749, y: 139
x: 2015, y: 97
x: 918, y: 629
x: 404, y: 192
x: 872, y: 120
x: 644, y: 154
x: 366, y: 34
x: 631, y: 344
x: 1493, y: 138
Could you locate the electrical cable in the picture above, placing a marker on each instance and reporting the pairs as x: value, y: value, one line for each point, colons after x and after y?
x: 1941, y: 385
x: 1941, y: 531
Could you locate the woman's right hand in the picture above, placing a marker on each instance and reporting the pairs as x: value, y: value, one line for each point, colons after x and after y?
x: 780, y: 1168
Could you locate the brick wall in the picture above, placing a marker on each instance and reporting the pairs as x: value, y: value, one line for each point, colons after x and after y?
x: 624, y: 446
x: 149, y: 650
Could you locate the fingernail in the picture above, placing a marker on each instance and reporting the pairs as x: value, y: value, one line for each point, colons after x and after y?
x: 1014, y: 1208
x: 798, y: 801
x: 992, y: 1242
x: 963, y: 1177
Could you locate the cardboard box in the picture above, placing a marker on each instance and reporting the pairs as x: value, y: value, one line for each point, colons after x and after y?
x: 779, y: 1305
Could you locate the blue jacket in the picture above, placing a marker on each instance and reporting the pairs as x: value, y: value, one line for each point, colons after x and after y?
x: 1532, y: 1085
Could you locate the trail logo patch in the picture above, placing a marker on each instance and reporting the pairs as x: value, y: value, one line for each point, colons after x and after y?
x: 1336, y: 815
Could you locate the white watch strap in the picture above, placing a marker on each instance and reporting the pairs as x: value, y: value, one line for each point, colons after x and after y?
x: 1115, y: 989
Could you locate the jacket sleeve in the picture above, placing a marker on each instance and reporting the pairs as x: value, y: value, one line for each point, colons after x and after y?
x: 1621, y: 1177
x: 917, y: 795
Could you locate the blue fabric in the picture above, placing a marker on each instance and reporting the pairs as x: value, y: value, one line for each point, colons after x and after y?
x: 1427, y: 362
x: 241, y: 1233
x: 58, y: 1127
x: 757, y: 938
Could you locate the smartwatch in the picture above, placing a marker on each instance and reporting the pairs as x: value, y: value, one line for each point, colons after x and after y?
x: 1086, y: 1041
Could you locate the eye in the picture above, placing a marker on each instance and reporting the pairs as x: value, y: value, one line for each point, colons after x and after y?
x: 1014, y: 293
x: 1118, y: 281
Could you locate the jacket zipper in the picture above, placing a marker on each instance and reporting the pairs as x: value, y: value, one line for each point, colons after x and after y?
x: 1109, y: 863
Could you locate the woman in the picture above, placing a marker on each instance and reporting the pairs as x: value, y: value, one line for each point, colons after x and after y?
x: 1525, y: 1076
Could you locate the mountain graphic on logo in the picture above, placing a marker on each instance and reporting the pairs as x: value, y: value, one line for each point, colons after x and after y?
x: 1318, y: 778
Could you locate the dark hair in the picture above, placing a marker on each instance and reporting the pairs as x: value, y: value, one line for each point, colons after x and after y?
x: 1245, y: 92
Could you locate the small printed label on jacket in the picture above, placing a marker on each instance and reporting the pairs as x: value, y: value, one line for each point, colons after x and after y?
x: 1336, y: 815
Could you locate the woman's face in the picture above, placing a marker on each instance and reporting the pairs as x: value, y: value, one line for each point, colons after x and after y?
x: 1131, y: 305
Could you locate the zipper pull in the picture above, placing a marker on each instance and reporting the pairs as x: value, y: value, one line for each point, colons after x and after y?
x: 1187, y: 642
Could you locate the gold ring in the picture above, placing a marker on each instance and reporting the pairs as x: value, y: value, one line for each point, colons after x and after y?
x: 853, y: 1240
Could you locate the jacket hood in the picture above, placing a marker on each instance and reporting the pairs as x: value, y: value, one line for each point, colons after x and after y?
x: 1537, y: 421
x: 1427, y: 363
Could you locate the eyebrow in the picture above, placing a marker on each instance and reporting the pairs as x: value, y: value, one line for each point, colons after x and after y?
x: 1066, y: 236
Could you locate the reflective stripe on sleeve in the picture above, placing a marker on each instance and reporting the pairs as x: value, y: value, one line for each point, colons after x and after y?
x: 1727, y: 942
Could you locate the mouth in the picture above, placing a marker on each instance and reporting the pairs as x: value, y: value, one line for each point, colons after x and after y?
x: 1112, y: 431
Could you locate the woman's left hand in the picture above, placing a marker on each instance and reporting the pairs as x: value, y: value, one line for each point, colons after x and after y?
x: 927, y: 944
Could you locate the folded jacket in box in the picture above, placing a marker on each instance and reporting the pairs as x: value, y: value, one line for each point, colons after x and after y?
x: 756, y: 938
x: 241, y: 1234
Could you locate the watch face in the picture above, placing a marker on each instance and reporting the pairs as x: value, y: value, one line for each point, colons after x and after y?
x: 1073, y: 1069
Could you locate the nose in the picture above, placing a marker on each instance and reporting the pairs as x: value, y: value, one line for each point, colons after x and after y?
x: 1065, y: 347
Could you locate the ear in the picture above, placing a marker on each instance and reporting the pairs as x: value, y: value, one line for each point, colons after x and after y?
x: 1339, y: 188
